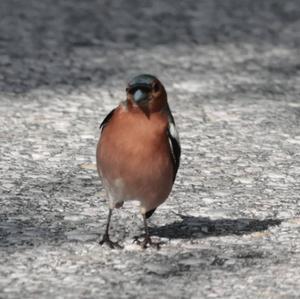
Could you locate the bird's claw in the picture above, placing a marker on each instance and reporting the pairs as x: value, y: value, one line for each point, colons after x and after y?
x: 112, y: 245
x: 147, y: 242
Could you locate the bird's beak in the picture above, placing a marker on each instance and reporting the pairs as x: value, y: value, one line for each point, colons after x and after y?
x: 140, y: 92
x: 140, y: 96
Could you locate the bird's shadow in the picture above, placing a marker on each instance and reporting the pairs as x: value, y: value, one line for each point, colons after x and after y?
x: 190, y: 227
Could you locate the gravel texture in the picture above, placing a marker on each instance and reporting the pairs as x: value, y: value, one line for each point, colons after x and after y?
x: 231, y: 227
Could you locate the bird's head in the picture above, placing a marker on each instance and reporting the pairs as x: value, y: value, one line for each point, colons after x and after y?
x: 146, y: 92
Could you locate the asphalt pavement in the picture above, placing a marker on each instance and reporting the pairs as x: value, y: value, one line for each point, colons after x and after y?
x: 231, y: 226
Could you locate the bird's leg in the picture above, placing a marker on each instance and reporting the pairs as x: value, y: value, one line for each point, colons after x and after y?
x: 106, y: 239
x: 147, y: 240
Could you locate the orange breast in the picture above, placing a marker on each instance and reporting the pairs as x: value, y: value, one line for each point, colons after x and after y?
x: 135, y: 149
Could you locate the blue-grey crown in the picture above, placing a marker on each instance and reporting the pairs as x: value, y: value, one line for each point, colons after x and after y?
x: 144, y: 79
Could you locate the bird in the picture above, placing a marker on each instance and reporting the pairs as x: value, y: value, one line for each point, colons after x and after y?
x: 138, y: 152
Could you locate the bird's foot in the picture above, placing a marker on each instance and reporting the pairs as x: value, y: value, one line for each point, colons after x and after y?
x: 112, y: 245
x: 147, y: 242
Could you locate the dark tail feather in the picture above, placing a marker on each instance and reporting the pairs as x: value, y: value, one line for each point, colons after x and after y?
x: 149, y: 213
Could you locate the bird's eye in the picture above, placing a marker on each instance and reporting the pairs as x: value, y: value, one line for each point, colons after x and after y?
x: 156, y: 87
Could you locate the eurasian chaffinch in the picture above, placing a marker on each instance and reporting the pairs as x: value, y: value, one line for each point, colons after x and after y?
x: 138, y: 152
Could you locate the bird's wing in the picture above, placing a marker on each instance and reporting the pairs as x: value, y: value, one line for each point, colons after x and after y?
x: 174, y: 143
x: 175, y: 150
x: 107, y: 119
